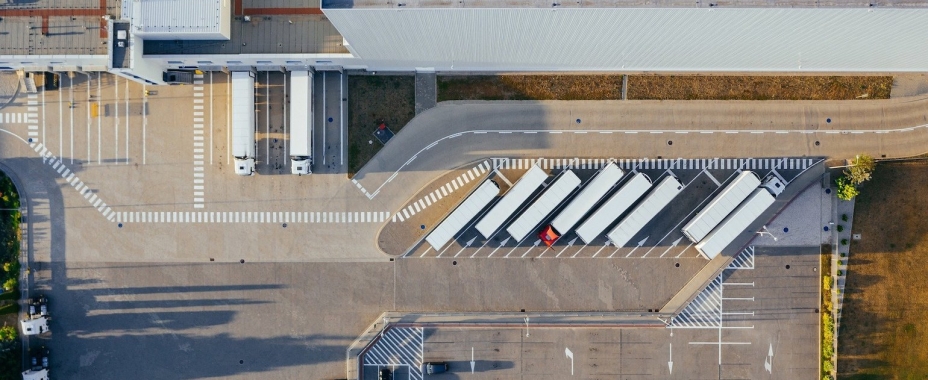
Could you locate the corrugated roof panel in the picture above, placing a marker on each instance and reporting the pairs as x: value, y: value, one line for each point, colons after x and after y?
x: 514, y: 198
x: 544, y: 205
x: 662, y: 194
x: 639, y: 39
x: 462, y: 215
x: 584, y: 202
x: 735, y: 223
x: 720, y: 206
x: 614, y: 207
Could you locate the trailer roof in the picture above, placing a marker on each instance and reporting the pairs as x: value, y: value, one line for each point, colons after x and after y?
x: 544, y: 205
x: 243, y: 110
x: 595, y: 190
x: 301, y: 95
x: 662, y: 194
x: 463, y: 214
x: 613, y: 208
x: 735, y: 223
x: 517, y: 195
x: 720, y: 206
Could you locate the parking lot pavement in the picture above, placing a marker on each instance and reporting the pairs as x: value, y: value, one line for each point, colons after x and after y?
x: 330, y: 133
x: 757, y: 320
x: 660, y: 238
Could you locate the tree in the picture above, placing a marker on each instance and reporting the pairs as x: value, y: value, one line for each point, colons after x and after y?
x: 846, y: 189
x: 859, y: 172
x: 7, y: 334
x: 9, y: 285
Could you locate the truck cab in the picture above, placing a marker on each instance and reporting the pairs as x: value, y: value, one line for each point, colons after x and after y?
x: 244, y: 166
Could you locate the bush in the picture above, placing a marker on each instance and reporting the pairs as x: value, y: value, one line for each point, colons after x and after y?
x: 843, y: 217
x: 861, y: 170
x: 843, y: 241
x: 846, y: 189
x: 843, y: 254
x: 10, y: 284
x: 8, y: 334
x: 840, y: 273
x: 826, y: 283
x: 840, y: 228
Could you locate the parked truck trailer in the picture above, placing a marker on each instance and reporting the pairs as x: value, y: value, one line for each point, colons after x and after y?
x: 301, y: 122
x: 243, y: 122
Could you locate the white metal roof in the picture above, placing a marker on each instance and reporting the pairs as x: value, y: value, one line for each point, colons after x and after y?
x: 544, y: 205
x: 517, y: 195
x: 638, y: 39
x: 613, y: 208
x: 243, y: 113
x: 663, y: 193
x: 41, y: 374
x: 584, y: 202
x: 462, y: 215
x: 720, y: 206
x: 735, y: 223
x: 301, y: 94
x: 34, y: 326
x: 180, y: 19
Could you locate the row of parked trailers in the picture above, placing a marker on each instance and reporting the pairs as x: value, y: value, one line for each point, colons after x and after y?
x: 713, y: 228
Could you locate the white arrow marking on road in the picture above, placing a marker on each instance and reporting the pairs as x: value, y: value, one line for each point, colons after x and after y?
x: 537, y: 242
x: 768, y: 361
x: 497, y: 248
x: 670, y: 363
x: 526, y: 327
x: 640, y: 243
x: 472, y: 363
x: 569, y: 244
x: 466, y: 245
x: 674, y: 244
x: 571, y: 356
x: 604, y: 247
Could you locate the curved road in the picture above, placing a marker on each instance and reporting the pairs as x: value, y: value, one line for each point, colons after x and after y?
x: 456, y: 133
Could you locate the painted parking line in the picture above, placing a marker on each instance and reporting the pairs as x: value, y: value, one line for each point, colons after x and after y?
x: 199, y: 156
x: 399, y: 346
x: 705, y: 311
x: 259, y: 217
x: 421, y: 204
x: 56, y: 164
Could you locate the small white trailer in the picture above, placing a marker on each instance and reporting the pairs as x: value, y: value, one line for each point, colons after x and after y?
x: 462, y: 215
x: 665, y: 191
x: 515, y: 197
x: 301, y: 122
x: 720, y: 206
x: 544, y: 205
x: 592, y: 192
x: 735, y: 223
x: 614, y: 207
x: 243, y: 122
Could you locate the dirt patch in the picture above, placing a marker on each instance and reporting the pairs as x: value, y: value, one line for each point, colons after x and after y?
x: 376, y: 99
x: 530, y: 87
x: 663, y: 87
x: 885, y: 317
x: 697, y: 87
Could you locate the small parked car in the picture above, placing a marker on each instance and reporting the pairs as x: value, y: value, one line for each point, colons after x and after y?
x: 434, y: 368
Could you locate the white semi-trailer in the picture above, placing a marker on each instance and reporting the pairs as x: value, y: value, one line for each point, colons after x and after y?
x: 301, y: 122
x: 243, y: 122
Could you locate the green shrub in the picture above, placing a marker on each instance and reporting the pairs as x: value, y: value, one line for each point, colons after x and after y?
x: 844, y: 217
x: 843, y: 254
x: 840, y: 273
x: 843, y: 241
x: 840, y: 228
x: 8, y: 333
x: 846, y: 189
x: 10, y: 284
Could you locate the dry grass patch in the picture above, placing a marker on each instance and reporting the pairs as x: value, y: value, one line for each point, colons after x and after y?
x: 884, y: 323
x: 530, y: 87
x: 375, y: 99
x: 698, y: 87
